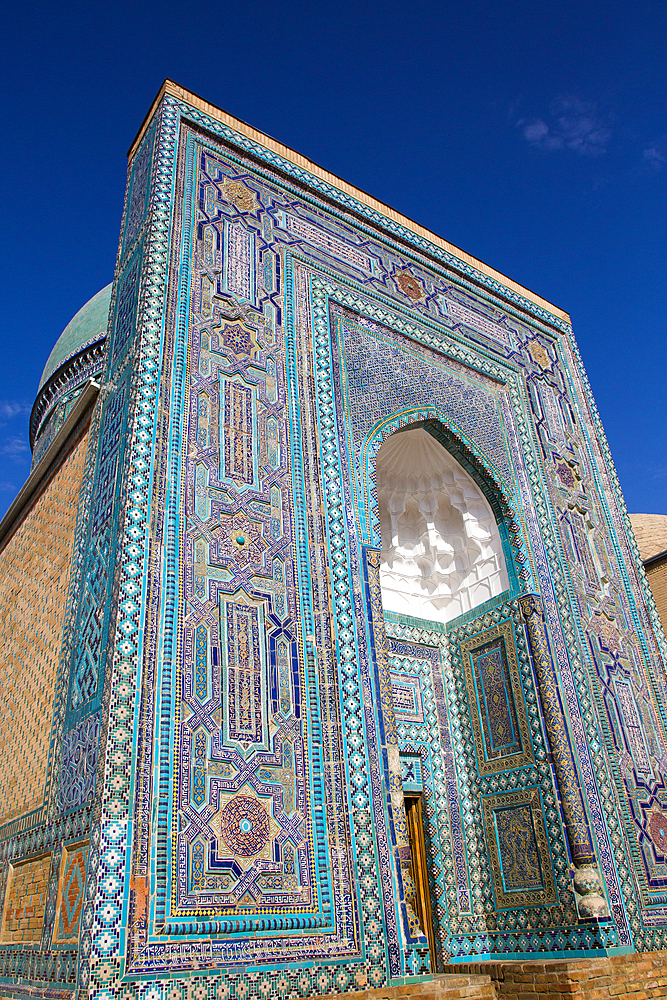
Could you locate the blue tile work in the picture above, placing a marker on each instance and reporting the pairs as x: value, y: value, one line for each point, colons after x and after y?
x: 518, y: 849
x: 493, y: 685
x: 91, y: 634
x: 478, y: 912
x: 496, y: 703
x: 224, y: 732
x: 411, y: 773
x: 376, y: 357
x: 59, y: 396
x: 78, y: 765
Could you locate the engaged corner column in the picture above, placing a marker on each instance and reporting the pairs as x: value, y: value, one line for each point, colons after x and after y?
x: 590, y: 895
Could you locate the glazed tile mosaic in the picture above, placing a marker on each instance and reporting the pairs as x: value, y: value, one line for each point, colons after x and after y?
x: 71, y: 886
x: 236, y: 719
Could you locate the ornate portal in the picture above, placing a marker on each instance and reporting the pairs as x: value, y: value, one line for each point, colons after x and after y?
x: 322, y: 519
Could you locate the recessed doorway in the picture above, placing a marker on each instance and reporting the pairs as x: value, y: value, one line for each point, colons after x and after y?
x: 419, y: 870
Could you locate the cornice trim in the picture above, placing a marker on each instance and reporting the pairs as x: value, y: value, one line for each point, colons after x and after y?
x: 61, y: 382
x: 272, y: 146
x: 655, y: 559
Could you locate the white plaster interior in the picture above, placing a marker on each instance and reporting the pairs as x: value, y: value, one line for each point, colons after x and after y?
x: 441, y: 550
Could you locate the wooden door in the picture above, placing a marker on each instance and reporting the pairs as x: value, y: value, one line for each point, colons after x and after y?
x: 419, y: 871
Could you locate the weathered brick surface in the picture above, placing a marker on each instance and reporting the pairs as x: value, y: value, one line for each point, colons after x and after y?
x: 626, y: 977
x: 25, y: 900
x: 453, y: 986
x: 657, y: 577
x: 34, y: 572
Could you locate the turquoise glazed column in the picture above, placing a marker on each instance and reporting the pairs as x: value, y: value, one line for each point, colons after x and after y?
x: 591, y: 901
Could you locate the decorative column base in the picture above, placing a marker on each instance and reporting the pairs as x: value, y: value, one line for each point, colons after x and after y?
x: 589, y: 893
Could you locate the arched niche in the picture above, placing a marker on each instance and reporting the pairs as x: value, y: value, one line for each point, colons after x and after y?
x: 442, y: 552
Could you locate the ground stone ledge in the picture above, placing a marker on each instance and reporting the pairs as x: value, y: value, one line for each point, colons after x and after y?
x: 455, y: 985
x: 618, y: 977
x: 635, y: 977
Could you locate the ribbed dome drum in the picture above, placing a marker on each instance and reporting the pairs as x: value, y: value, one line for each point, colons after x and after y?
x: 77, y: 356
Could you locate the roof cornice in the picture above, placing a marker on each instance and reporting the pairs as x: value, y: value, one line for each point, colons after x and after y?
x: 169, y: 88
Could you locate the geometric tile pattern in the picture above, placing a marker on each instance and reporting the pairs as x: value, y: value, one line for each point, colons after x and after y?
x: 138, y: 190
x: 407, y: 697
x: 518, y: 849
x: 96, y: 574
x: 248, y: 835
x: 78, y: 766
x: 471, y: 853
x: 71, y: 885
x: 428, y: 766
x: 494, y: 689
x: 100, y: 920
x: 376, y: 357
x: 595, y: 556
x: 92, y: 623
x: 566, y: 776
x: 411, y: 773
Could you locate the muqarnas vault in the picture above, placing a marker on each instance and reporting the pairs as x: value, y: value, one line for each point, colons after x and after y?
x: 329, y: 655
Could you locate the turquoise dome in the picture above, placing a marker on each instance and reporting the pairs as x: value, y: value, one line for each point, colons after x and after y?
x: 86, y: 328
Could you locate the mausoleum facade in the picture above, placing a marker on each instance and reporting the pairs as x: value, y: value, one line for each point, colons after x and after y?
x: 329, y: 656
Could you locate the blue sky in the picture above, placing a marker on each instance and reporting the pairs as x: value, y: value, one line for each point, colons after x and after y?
x: 534, y: 136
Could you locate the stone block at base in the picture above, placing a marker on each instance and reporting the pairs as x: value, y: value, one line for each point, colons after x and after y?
x: 635, y: 977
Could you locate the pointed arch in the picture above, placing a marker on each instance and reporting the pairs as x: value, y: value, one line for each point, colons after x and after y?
x: 481, y: 521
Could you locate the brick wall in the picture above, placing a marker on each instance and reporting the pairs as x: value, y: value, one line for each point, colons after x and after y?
x: 34, y: 574
x: 622, y: 977
x: 25, y: 900
x: 657, y: 577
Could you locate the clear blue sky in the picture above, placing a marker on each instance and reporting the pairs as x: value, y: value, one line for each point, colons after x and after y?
x: 534, y: 136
